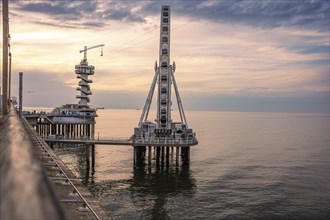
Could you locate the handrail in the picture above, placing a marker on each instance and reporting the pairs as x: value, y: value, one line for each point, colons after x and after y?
x: 112, y: 138
x: 123, y: 139
x: 126, y: 141
x: 25, y: 190
x: 55, y: 161
x: 166, y: 141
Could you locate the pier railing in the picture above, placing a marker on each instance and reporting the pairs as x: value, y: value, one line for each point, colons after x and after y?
x: 112, y: 138
x: 135, y: 141
x: 165, y: 141
x: 65, y: 137
x: 87, y: 140
x: 45, y: 146
x: 25, y: 190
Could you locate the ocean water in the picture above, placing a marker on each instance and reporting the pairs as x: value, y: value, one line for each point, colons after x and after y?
x: 246, y: 166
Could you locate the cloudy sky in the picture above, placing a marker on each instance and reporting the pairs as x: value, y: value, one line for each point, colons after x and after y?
x: 231, y: 55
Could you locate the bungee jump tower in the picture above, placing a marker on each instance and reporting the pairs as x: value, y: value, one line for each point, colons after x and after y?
x: 70, y: 121
x: 163, y: 136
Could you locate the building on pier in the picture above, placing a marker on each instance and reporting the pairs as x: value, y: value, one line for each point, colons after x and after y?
x: 70, y: 120
x: 164, y: 132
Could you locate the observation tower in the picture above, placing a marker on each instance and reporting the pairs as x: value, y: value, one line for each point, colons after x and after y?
x: 73, y: 120
x: 83, y: 70
x: 163, y: 134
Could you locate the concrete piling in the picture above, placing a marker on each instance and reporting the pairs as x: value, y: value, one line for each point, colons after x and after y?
x: 162, y: 155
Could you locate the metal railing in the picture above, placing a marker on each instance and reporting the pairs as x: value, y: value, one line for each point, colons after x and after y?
x: 85, y: 138
x: 165, y: 141
x: 25, y: 190
x: 34, y: 133
x: 112, y: 138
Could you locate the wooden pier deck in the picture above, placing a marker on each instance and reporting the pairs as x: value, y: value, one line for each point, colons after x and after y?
x: 110, y: 141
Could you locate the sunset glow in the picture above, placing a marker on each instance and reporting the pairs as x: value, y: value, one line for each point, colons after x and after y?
x: 220, y: 49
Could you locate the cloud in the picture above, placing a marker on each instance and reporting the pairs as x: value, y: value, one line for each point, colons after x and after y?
x: 121, y: 13
x: 314, y: 49
x: 64, y: 10
x: 77, y: 14
x: 264, y: 14
x: 94, y: 24
x: 223, y: 49
x: 49, y: 8
x: 271, y: 14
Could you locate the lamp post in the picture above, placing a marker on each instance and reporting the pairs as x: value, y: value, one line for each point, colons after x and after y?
x: 9, y: 71
x: 20, y: 96
x: 5, y: 37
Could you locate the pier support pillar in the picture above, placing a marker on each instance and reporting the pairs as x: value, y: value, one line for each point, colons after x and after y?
x: 93, y: 131
x: 167, y: 155
x: 157, y: 155
x: 177, y: 155
x: 185, y: 154
x: 163, y: 154
x: 88, y: 154
x: 134, y: 156
x: 149, y: 155
x: 49, y: 129
x: 93, y: 159
x: 75, y: 132
x: 87, y: 162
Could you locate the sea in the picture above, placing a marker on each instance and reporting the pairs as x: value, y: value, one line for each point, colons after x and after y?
x: 247, y: 165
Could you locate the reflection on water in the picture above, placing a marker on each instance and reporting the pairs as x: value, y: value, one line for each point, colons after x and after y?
x: 246, y: 166
x: 160, y: 183
x: 156, y: 183
x: 80, y: 158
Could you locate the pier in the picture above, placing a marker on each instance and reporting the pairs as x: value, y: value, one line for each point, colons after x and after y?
x: 105, y: 141
x: 36, y: 184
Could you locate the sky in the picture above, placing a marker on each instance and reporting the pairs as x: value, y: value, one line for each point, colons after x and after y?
x: 230, y: 55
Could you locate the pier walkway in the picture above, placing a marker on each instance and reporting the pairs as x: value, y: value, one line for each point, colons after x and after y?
x: 157, y: 142
x: 35, y: 183
x: 105, y: 141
